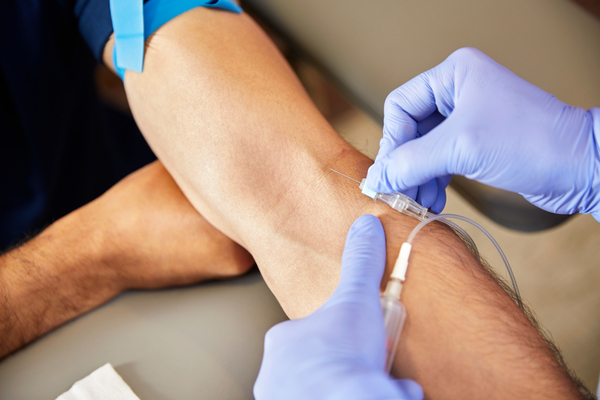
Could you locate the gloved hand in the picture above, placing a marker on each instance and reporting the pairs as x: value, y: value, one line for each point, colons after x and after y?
x: 338, y: 352
x: 470, y: 116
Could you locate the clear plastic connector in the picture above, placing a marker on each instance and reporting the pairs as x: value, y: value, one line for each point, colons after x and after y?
x: 397, y: 201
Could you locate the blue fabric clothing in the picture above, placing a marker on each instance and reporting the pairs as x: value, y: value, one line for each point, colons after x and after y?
x: 60, y: 146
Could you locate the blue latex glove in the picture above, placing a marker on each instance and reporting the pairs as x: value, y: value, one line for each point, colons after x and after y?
x: 470, y: 116
x: 338, y: 352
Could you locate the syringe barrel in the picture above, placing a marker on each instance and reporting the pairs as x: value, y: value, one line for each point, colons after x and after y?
x: 394, y: 315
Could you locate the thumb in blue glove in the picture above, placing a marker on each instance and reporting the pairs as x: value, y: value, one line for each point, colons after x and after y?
x: 338, y: 352
x: 471, y: 116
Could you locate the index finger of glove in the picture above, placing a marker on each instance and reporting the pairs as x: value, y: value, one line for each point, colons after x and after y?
x: 414, y: 102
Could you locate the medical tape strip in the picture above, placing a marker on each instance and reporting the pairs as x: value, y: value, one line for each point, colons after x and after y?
x: 155, y: 14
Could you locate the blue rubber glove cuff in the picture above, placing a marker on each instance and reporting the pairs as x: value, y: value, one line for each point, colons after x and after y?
x: 595, y: 202
x: 130, y: 35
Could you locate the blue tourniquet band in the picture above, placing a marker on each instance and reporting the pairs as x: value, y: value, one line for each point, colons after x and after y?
x: 128, y: 24
x: 130, y: 35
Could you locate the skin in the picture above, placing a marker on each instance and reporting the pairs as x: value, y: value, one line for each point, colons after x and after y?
x: 141, y: 234
x: 226, y: 115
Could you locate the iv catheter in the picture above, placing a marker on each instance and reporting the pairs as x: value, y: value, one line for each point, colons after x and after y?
x: 407, y: 206
x: 394, y: 313
x: 397, y: 201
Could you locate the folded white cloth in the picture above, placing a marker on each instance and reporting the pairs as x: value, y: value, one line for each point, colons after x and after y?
x: 102, y: 384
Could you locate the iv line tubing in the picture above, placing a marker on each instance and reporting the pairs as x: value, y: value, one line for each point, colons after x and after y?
x: 460, y: 231
x: 442, y: 217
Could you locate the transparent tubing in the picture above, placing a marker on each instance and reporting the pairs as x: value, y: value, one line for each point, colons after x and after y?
x: 394, y: 315
x: 407, y: 206
x: 464, y: 235
x: 443, y: 217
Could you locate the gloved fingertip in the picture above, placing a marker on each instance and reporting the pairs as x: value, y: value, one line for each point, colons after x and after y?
x: 384, y: 148
x: 374, y: 178
x: 365, y: 223
x: 440, y: 201
x: 412, y: 192
x: 411, y: 389
x: 444, y: 181
x: 372, y: 175
x: 439, y: 205
x: 365, y: 226
x: 428, y: 194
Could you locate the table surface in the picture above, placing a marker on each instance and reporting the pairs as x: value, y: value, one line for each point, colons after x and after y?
x: 199, y: 342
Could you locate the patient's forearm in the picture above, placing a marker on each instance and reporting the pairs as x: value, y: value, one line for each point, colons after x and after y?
x: 227, y: 117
